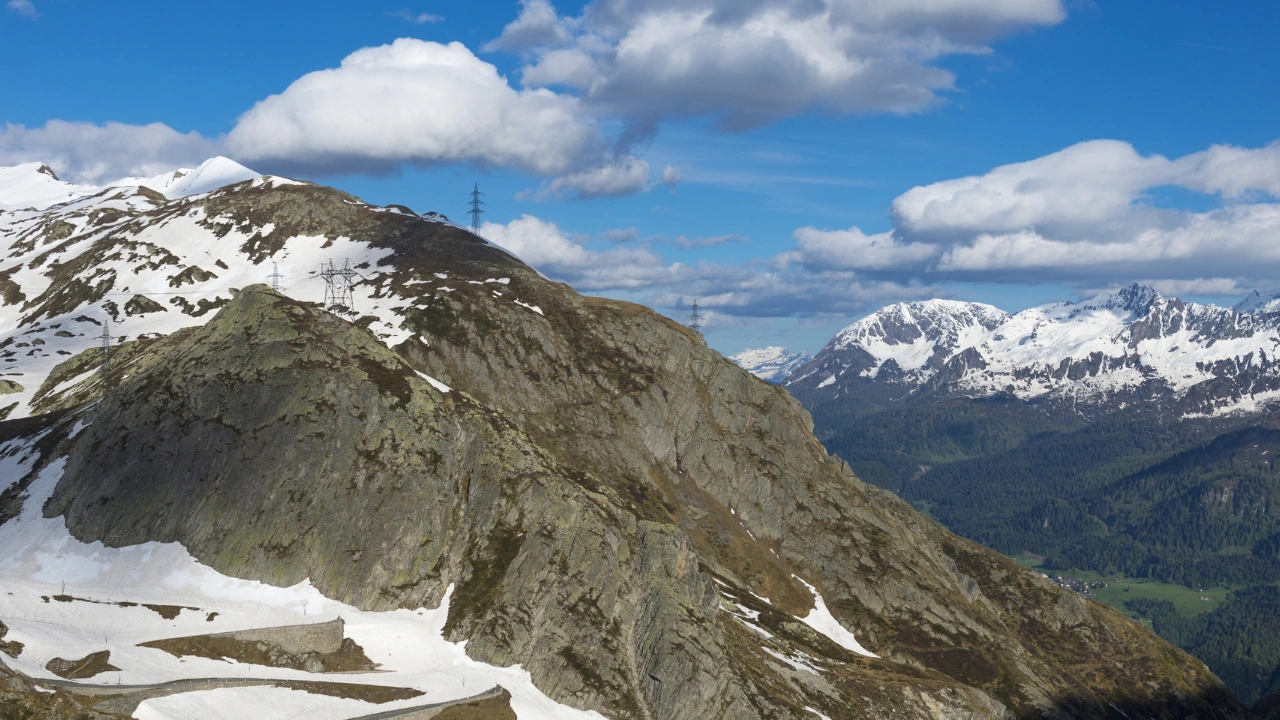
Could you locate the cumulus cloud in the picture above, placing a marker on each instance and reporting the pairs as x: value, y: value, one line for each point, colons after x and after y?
x: 853, y: 249
x: 23, y: 8
x: 544, y: 246
x: 737, y: 290
x: 411, y: 102
x: 1087, y: 211
x: 749, y: 62
x: 539, y: 25
x: 414, y: 102
x: 87, y: 153
x: 614, y: 179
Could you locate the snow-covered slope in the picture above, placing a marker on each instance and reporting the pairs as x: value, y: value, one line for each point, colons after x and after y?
x: 35, y: 186
x: 149, y: 266
x: 212, y: 174
x: 1120, y: 347
x: 104, y: 593
x: 1258, y: 304
x: 773, y: 364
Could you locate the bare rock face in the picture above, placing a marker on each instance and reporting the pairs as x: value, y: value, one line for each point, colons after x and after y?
x: 624, y: 512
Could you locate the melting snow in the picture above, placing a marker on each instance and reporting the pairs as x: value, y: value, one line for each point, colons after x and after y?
x: 434, y: 382
x: 40, y: 555
x: 794, y: 663
x: 821, y: 620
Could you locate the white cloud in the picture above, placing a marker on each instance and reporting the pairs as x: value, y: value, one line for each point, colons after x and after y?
x: 1086, y: 211
x: 853, y: 249
x: 537, y: 26
x: 751, y: 61
x: 414, y: 102
x: 544, y: 246
x: 671, y: 177
x: 1233, y: 172
x: 88, y: 153
x: 408, y: 103
x: 1071, y: 189
x: 1196, y: 286
x: 626, y: 176
x: 738, y: 290
x: 23, y: 8
x: 417, y: 18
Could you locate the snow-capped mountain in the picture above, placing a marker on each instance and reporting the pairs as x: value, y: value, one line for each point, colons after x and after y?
x: 1258, y: 304
x: 772, y: 363
x: 1121, y: 347
x: 36, y: 187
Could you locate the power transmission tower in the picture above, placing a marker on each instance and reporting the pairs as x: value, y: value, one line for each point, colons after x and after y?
x: 477, y: 210
x: 275, y: 277
x: 695, y: 318
x: 105, y: 367
x: 337, y: 288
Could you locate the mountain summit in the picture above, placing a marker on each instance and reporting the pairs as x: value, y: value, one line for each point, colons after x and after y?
x: 35, y: 186
x: 488, y: 476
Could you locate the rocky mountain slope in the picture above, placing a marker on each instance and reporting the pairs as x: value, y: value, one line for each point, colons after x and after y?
x: 1124, y: 347
x: 582, y: 485
x: 772, y: 364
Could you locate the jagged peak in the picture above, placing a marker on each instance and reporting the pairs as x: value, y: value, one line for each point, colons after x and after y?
x: 1257, y: 303
x: 1135, y: 298
x: 932, y: 316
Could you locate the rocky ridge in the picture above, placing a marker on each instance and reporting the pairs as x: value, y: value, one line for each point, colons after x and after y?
x: 630, y: 516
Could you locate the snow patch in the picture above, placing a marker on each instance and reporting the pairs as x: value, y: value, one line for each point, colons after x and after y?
x: 435, y: 383
x: 534, y: 308
x: 821, y: 620
x: 40, y: 555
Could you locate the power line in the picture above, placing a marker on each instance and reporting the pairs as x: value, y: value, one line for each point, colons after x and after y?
x: 105, y: 368
x: 275, y: 277
x: 695, y: 318
x: 338, y: 298
x: 476, y: 209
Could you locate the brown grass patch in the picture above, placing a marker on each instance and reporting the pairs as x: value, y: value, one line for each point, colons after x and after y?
x: 85, y: 667
x: 350, y: 658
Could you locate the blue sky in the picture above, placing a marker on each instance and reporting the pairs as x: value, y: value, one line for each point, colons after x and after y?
x: 764, y: 147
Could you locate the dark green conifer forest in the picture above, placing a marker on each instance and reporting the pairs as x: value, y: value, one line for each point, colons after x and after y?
x: 1138, y: 494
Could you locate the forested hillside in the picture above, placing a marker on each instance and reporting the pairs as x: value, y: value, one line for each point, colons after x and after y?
x: 1194, y: 502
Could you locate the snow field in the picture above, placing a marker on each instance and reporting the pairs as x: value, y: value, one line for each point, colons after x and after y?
x: 39, y: 555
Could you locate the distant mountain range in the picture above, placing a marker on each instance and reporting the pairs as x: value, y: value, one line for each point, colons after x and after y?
x: 1130, y: 433
x: 773, y: 364
x: 1130, y: 346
